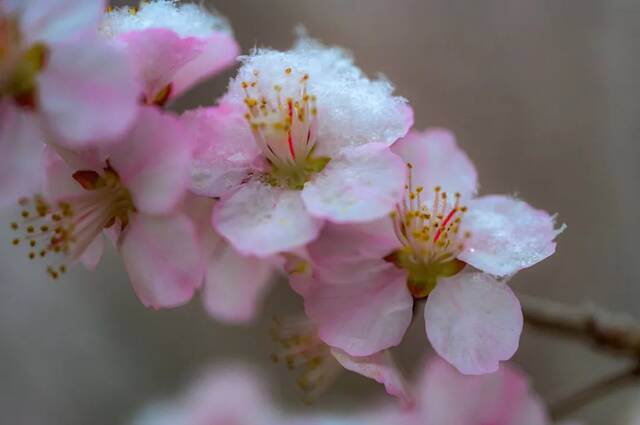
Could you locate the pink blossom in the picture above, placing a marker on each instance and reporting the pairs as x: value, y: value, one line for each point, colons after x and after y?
x: 58, y: 84
x: 301, y: 137
x: 440, y: 243
x: 173, y: 45
x: 130, y: 190
x: 445, y: 397
x: 231, y: 394
x: 320, y: 364
x: 234, y: 284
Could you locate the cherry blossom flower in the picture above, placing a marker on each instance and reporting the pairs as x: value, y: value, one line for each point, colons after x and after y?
x: 446, y: 397
x: 173, y: 45
x: 301, y: 136
x: 130, y: 190
x: 229, y: 394
x: 441, y: 243
x: 320, y: 364
x: 58, y: 84
x: 234, y: 284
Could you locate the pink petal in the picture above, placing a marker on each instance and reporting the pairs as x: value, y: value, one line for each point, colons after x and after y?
x: 219, y: 52
x: 234, y: 284
x: 21, y: 145
x: 158, y: 55
x: 60, y: 184
x: 507, y: 235
x: 163, y: 259
x: 348, y: 252
x: 362, y: 184
x: 154, y: 160
x: 473, y: 322
x: 362, y: 317
x: 262, y: 220
x: 87, y: 93
x: 229, y: 394
x: 381, y: 368
x: 52, y: 21
x: 92, y: 254
x: 501, y: 398
x: 438, y: 161
x: 225, y: 149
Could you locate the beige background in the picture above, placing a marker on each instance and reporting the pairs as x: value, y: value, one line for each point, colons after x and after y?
x: 543, y: 94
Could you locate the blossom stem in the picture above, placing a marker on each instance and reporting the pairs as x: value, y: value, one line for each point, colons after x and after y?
x: 616, y: 333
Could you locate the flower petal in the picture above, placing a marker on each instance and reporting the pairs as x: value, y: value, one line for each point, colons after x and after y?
x: 507, y: 235
x: 154, y: 160
x: 361, y: 317
x: 53, y: 21
x: 473, y: 322
x: 219, y: 52
x: 92, y: 254
x: 224, y: 150
x: 234, y: 284
x: 87, y: 92
x: 262, y: 220
x: 381, y: 368
x: 21, y: 162
x: 438, y: 161
x: 362, y: 184
x: 163, y: 259
x: 448, y: 398
x: 348, y: 252
x: 158, y: 55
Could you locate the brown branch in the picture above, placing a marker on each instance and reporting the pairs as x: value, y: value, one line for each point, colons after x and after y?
x: 613, y: 332
x: 569, y: 405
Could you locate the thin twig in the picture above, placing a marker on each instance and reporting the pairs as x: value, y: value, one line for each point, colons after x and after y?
x: 616, y: 333
x: 567, y: 406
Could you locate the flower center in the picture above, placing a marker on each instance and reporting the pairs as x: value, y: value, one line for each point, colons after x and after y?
x: 19, y: 65
x: 303, y: 349
x: 283, y: 119
x: 69, y: 226
x: 429, y: 230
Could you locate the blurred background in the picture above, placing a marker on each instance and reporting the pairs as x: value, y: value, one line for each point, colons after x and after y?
x: 542, y: 94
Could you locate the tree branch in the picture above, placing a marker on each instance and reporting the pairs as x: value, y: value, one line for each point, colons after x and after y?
x: 616, y: 333
x: 567, y: 406
x: 613, y: 332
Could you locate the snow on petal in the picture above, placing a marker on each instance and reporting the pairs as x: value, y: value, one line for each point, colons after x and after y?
x: 361, y: 317
x: 153, y: 161
x: 21, y: 157
x: 55, y: 21
x: 381, y: 368
x: 507, y: 235
x: 163, y: 259
x: 234, y: 284
x: 351, y: 109
x: 176, y: 44
x: 261, y: 220
x: 224, y: 149
x: 185, y: 19
x: 438, y: 161
x: 87, y: 92
x: 361, y: 184
x: 473, y: 321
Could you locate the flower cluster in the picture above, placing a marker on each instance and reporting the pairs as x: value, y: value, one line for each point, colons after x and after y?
x: 233, y: 394
x: 305, y: 167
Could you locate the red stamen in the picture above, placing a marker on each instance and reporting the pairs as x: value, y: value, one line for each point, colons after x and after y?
x: 289, y: 138
x: 444, y: 224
